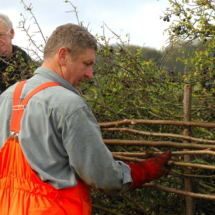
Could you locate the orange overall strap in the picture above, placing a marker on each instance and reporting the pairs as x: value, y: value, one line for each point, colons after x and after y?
x: 17, y: 92
x: 18, y: 109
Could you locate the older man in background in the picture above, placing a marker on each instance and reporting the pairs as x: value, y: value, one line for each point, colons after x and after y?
x: 14, y: 62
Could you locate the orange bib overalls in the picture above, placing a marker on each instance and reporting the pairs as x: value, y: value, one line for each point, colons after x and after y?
x: 21, y: 190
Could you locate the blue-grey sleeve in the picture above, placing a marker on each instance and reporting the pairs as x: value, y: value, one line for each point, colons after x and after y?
x: 89, y: 157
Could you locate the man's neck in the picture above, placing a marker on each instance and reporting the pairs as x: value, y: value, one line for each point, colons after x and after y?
x: 7, y: 53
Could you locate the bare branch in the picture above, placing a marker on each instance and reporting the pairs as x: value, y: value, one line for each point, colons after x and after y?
x: 150, y: 143
x: 75, y: 10
x: 160, y: 134
x: 194, y: 165
x: 180, y: 192
x: 134, y: 202
x: 144, y: 154
x: 156, y: 122
x: 105, y: 209
x: 30, y: 10
x: 26, y: 30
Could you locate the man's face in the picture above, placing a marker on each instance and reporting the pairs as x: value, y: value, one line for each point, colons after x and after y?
x: 6, y: 37
x: 80, y: 69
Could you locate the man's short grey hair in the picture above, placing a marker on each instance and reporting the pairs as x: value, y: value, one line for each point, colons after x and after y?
x: 75, y: 38
x: 5, y: 19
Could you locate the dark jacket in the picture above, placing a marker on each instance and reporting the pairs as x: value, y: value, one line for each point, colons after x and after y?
x: 14, y: 68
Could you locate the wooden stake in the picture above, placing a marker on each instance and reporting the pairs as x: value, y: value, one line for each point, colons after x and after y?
x: 187, y: 158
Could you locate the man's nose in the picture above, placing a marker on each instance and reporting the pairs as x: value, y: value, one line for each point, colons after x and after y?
x: 89, y: 73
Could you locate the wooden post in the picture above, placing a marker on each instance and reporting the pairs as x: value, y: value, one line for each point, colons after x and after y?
x: 187, y: 158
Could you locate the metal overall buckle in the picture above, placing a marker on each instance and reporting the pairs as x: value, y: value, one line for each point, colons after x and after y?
x: 14, y: 136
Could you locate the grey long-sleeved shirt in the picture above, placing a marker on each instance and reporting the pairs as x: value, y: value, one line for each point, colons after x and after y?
x: 61, y: 138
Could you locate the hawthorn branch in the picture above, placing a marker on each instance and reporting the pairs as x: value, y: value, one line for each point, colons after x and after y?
x: 26, y: 30
x: 105, y: 209
x: 75, y: 10
x: 111, y: 31
x: 171, y: 163
x: 35, y: 53
x: 36, y: 22
x: 159, y: 134
x: 156, y: 122
x: 153, y: 154
x: 150, y: 143
x: 180, y: 192
x: 105, y: 107
x: 134, y: 202
x: 174, y: 172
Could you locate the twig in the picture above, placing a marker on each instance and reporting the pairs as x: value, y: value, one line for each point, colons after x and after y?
x: 156, y: 122
x: 160, y: 134
x: 105, y: 209
x: 172, y: 163
x: 124, y: 158
x: 30, y: 10
x: 29, y: 36
x: 111, y: 31
x: 174, y: 172
x: 150, y: 143
x: 76, y: 12
x: 144, y: 154
x: 38, y: 58
x: 105, y: 107
x: 180, y: 192
x: 134, y: 202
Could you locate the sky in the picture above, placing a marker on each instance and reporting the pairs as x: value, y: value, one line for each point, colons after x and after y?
x: 140, y: 19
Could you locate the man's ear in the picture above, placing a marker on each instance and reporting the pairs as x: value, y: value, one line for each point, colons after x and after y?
x: 12, y: 33
x: 62, y: 55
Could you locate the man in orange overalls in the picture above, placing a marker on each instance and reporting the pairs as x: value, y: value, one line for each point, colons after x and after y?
x: 52, y: 150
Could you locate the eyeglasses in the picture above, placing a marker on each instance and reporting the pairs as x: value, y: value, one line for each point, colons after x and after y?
x: 3, y: 35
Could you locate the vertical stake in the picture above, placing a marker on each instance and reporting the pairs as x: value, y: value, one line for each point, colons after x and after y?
x: 187, y: 158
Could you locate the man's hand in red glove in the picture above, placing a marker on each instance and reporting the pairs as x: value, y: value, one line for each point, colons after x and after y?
x: 150, y: 169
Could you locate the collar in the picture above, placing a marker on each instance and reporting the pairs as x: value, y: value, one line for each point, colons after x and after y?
x: 47, y: 73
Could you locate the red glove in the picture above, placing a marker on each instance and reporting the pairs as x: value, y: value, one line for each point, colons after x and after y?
x: 150, y: 169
